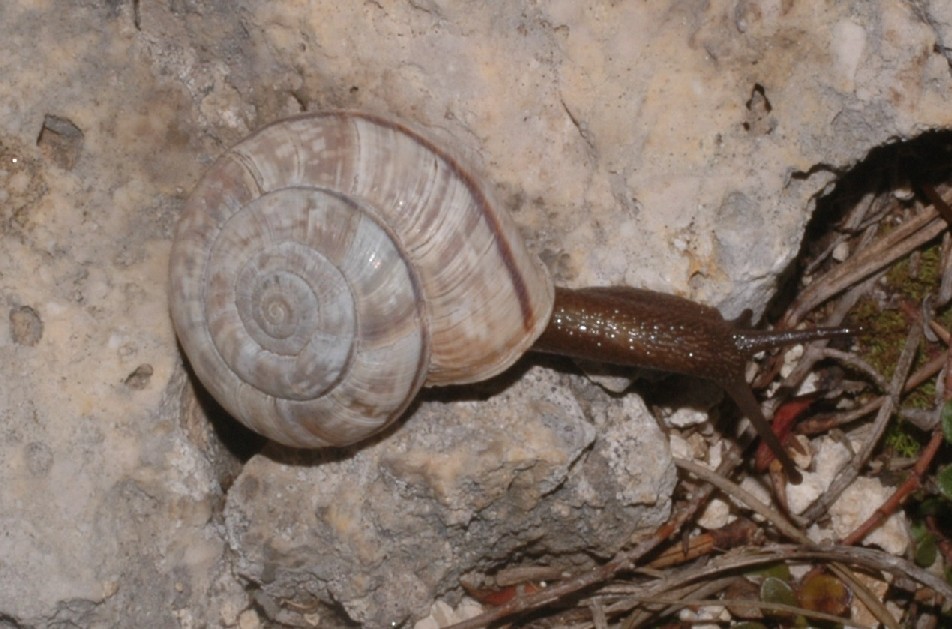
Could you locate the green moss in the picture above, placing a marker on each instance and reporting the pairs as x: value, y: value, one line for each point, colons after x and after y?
x: 904, y: 283
x: 901, y: 441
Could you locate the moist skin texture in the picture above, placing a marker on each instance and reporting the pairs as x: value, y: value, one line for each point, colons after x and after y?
x: 642, y: 328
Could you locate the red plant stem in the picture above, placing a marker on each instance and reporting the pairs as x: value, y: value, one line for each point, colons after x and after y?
x: 784, y: 419
x: 911, y: 484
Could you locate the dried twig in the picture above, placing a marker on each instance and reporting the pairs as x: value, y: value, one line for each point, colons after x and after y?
x: 857, y: 220
x: 912, y: 483
x: 792, y: 532
x: 822, y: 425
x: 641, y: 609
x: 740, y: 532
x: 908, y: 237
x: 782, y: 524
x: 850, y: 472
x: 856, y: 363
x: 739, y: 560
x: 680, y: 603
x: 812, y: 354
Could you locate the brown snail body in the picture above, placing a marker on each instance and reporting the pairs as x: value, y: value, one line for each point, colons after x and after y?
x: 635, y: 327
x: 331, y: 264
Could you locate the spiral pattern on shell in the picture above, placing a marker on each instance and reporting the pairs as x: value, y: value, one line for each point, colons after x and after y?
x: 328, y: 266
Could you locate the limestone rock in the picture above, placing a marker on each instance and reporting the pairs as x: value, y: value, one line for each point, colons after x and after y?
x: 669, y: 145
x: 465, y: 484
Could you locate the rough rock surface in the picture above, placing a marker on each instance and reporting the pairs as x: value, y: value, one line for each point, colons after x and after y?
x: 671, y: 145
x: 464, y: 485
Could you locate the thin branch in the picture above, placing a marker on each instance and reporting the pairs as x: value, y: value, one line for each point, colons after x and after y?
x: 899, y: 496
x: 850, y: 472
x: 821, y: 425
x: 782, y: 524
x: 909, y: 236
x: 676, y: 603
x: 856, y: 363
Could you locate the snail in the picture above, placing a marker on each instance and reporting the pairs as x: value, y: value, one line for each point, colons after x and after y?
x: 332, y: 264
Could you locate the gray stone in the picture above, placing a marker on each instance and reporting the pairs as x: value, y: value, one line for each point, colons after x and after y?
x: 463, y: 485
x: 668, y: 145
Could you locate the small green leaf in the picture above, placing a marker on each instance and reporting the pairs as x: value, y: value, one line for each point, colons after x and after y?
x: 945, y: 481
x: 779, y: 570
x: 773, y: 590
x: 918, y: 530
x: 946, y: 417
x: 926, y: 551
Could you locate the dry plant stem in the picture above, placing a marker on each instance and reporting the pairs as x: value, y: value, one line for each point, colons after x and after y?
x: 828, y: 285
x: 912, y: 483
x: 520, y: 574
x: 740, y: 532
x: 857, y: 220
x: 850, y: 472
x: 599, y: 620
x: 909, y: 236
x: 691, y: 596
x: 856, y: 363
x: 943, y: 542
x: 812, y: 355
x: 871, y: 558
x: 748, y: 499
x: 791, y: 531
x: 677, y: 604
x: 926, y: 371
x: 741, y: 560
x: 695, y: 596
x: 945, y: 285
x: 880, y: 560
x: 937, y: 201
x: 674, y: 597
x: 940, y: 331
x: 854, y: 555
x: 620, y: 563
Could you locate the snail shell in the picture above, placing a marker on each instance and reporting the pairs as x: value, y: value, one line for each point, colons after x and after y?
x: 331, y: 264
